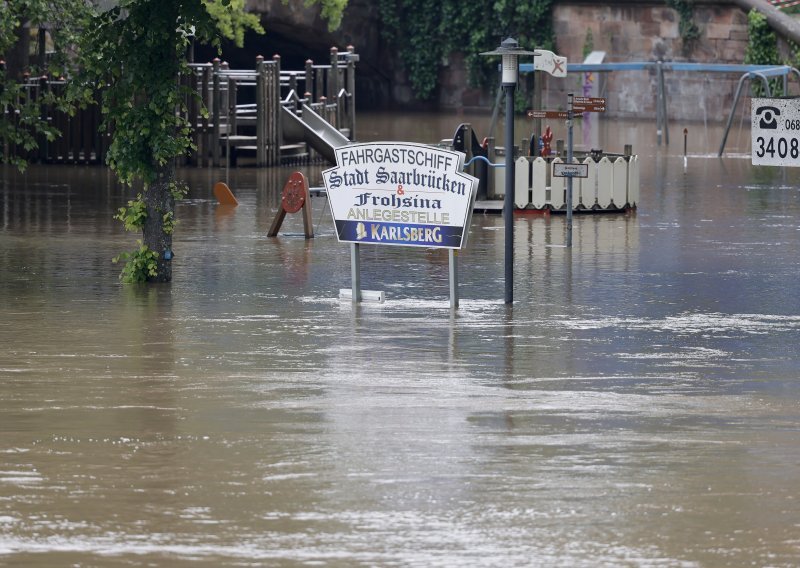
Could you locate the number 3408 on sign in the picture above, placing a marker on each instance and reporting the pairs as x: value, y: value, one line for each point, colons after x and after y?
x: 775, y: 131
x: 779, y: 147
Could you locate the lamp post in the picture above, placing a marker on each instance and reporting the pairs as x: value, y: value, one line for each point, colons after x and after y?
x: 510, y: 51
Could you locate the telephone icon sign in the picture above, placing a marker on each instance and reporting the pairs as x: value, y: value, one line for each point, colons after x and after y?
x: 768, y: 120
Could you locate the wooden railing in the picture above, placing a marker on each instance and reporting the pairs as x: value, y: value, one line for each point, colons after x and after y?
x: 228, y: 109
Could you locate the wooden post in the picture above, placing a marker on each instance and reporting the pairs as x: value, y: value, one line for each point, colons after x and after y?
x: 43, y: 143
x: 63, y: 122
x: 5, y: 148
x: 310, y: 78
x: 295, y: 197
x: 233, y: 96
x: 333, y: 83
x: 216, y: 104
x: 275, y: 111
x: 191, y: 115
x: 261, y: 117
x: 351, y: 91
x: 319, y: 83
x: 202, y: 148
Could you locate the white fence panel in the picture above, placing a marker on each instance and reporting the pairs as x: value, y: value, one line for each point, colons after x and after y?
x: 619, y: 189
x: 522, y: 173
x: 557, y: 187
x: 539, y: 183
x: 589, y: 185
x: 605, y: 178
x: 633, y: 181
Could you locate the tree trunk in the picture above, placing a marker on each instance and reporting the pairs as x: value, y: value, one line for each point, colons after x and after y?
x: 159, y: 202
x: 785, y: 25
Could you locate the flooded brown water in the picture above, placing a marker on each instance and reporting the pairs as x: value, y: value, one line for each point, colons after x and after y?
x: 638, y: 406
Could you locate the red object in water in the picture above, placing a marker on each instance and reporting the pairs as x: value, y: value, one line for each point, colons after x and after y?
x: 547, y: 137
x: 294, y: 193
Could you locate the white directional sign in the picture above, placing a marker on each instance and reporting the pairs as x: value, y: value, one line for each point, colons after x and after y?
x: 775, y: 132
x: 561, y: 169
x: 549, y: 62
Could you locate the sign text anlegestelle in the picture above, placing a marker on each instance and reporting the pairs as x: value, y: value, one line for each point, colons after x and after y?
x: 400, y: 193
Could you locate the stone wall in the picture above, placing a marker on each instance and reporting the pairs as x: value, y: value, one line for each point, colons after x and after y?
x: 636, y: 32
x: 626, y: 30
x: 649, y: 32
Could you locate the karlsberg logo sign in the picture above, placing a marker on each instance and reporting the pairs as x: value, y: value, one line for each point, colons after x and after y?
x: 400, y: 193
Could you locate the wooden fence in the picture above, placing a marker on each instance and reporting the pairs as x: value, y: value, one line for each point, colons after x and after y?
x: 242, y: 112
x: 81, y: 138
x: 244, y: 106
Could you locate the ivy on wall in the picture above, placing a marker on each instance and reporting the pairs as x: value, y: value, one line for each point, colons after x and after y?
x: 687, y: 29
x: 762, y: 49
x: 425, y: 32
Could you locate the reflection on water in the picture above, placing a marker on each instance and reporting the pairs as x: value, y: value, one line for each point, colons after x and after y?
x: 638, y: 405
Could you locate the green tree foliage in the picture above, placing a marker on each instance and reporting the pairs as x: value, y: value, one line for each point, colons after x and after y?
x: 425, y: 32
x: 22, y: 123
x: 762, y: 49
x: 331, y: 10
x: 132, y: 52
x: 687, y: 29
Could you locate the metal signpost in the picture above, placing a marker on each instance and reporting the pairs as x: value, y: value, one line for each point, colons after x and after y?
x: 775, y: 132
x: 403, y: 194
x: 510, y: 51
x: 569, y: 170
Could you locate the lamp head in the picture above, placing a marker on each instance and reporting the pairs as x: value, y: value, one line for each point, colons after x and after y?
x: 510, y: 51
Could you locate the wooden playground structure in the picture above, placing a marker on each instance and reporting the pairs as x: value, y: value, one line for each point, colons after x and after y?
x: 274, y: 115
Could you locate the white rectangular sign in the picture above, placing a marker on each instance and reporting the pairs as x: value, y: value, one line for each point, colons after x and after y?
x: 400, y: 193
x: 775, y: 132
x: 562, y: 170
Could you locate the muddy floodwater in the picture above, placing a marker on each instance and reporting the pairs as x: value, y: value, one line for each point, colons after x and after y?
x: 639, y: 405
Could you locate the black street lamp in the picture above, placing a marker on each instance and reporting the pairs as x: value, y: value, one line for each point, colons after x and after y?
x: 510, y: 51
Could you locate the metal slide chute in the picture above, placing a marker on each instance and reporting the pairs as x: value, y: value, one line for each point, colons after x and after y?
x: 314, y: 130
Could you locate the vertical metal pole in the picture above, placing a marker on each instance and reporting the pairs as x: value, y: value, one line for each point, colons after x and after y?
x: 659, y: 87
x: 664, y: 119
x: 355, y: 272
x: 569, y: 161
x: 537, y: 102
x: 453, y: 279
x: 744, y: 78
x: 508, y: 202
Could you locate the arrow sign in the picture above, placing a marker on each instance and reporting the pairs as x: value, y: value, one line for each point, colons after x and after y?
x: 589, y: 101
x: 561, y: 169
x: 549, y: 62
x: 551, y: 114
x: 589, y: 104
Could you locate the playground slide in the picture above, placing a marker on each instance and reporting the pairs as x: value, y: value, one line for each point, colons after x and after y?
x: 314, y: 130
